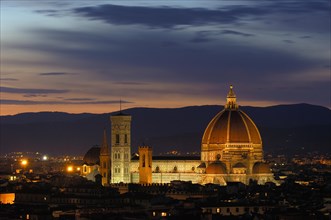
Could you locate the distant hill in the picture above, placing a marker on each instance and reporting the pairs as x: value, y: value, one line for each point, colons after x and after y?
x: 284, y: 129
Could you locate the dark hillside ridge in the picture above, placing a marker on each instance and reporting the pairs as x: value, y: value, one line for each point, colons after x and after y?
x: 284, y: 128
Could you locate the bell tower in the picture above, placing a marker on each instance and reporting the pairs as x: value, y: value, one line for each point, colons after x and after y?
x: 120, y: 148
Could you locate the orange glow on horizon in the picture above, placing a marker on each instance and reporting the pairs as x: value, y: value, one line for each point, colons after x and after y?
x: 100, y: 109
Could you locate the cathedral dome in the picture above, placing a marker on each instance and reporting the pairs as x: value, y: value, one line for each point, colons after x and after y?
x: 260, y: 168
x: 216, y: 167
x: 231, y: 125
x: 92, y: 156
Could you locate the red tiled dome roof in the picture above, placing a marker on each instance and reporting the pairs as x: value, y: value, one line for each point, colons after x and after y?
x: 231, y: 126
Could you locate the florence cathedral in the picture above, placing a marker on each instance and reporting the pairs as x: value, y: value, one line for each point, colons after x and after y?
x: 231, y: 151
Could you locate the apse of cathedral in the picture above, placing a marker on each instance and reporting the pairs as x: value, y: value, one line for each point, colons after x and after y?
x: 231, y: 151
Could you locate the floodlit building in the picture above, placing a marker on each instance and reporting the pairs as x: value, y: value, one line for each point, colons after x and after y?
x: 91, y: 163
x: 231, y: 151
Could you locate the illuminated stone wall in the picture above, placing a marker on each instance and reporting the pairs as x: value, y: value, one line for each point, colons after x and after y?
x: 7, y: 198
x: 120, y: 148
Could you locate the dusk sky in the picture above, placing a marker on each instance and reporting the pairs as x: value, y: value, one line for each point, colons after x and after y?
x: 84, y: 56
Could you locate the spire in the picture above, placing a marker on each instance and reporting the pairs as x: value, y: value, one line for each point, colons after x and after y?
x: 231, y: 100
x: 104, y: 148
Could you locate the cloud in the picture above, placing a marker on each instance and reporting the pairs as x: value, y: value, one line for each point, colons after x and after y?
x: 163, y: 17
x: 170, y: 17
x: 54, y: 74
x: 227, y: 46
x: 201, y: 40
x: 8, y: 79
x: 34, y: 95
x: 30, y: 102
x: 52, y: 13
x: 130, y: 83
x: 236, y: 33
x: 305, y: 37
x: 121, y: 60
x: 211, y: 35
x: 296, y: 6
x: 288, y: 41
x: 79, y: 99
x: 31, y: 91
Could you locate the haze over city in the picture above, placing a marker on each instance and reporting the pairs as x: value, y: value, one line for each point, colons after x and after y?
x: 84, y: 56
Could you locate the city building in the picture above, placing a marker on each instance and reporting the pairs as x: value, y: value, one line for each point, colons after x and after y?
x: 231, y: 151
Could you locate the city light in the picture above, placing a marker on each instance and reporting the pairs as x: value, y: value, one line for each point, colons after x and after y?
x: 70, y: 168
x: 45, y: 157
x: 7, y: 198
x: 24, y: 162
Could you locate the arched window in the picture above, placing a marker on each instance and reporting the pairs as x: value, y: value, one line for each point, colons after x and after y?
x: 157, y: 169
x: 175, y: 169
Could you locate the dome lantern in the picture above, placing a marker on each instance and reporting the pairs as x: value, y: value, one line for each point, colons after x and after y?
x: 231, y: 100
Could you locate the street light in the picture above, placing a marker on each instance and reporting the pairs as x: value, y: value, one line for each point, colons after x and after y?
x: 70, y: 169
x: 24, y: 162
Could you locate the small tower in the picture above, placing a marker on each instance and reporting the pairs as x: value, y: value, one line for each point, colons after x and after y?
x: 231, y: 100
x: 105, y: 160
x: 145, y: 165
x: 120, y: 148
